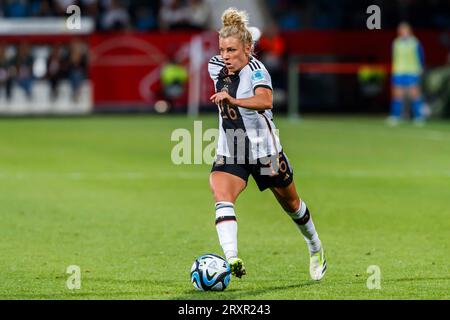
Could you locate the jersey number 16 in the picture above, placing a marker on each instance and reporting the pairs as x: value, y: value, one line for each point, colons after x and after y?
x: 230, y: 113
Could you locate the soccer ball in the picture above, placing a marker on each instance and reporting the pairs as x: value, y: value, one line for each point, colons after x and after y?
x: 210, y: 272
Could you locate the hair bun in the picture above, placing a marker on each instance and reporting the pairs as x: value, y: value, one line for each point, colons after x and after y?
x: 234, y: 18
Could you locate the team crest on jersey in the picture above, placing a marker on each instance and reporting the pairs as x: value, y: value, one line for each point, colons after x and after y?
x: 258, y: 75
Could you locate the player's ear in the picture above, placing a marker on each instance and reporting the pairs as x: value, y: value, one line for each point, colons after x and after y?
x: 248, y: 49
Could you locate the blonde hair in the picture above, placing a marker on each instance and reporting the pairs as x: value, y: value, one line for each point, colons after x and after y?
x: 235, y: 24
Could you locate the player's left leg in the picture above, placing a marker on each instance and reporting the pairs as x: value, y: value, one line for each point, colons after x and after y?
x: 299, y: 212
x: 398, y: 94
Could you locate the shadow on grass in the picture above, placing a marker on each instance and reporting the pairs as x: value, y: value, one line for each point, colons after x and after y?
x: 98, y: 288
x: 233, y: 294
x: 158, y: 294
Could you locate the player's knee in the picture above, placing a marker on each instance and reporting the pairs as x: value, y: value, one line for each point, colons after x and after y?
x: 223, y: 195
x: 397, y: 93
x: 414, y: 92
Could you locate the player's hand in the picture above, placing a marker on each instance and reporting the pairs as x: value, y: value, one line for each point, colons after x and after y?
x: 222, y: 98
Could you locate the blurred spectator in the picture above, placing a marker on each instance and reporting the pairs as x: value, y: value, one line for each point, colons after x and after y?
x: 290, y: 21
x: 54, y: 70
x: 174, y: 77
x: 272, y: 53
x: 173, y: 15
x: 76, y: 67
x: 59, y: 7
x: 62, y: 5
x: 144, y: 14
x: 115, y: 17
x: 5, y: 74
x: 23, y: 68
x: 193, y: 14
x: 144, y: 18
x: 16, y: 8
x: 44, y: 8
x: 349, y: 14
x: 90, y: 7
x: 437, y: 89
x: 199, y: 14
x: 272, y: 48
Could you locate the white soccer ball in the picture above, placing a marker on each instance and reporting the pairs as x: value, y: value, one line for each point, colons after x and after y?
x: 210, y: 272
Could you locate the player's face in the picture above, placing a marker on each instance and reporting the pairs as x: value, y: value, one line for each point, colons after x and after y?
x: 404, y: 31
x: 234, y: 53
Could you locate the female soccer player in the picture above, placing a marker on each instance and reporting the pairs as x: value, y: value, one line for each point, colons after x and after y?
x: 248, y: 144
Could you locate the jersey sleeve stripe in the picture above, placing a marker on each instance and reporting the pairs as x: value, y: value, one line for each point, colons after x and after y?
x: 262, y: 86
x: 251, y: 66
x: 216, y: 59
x: 217, y: 64
x: 254, y: 66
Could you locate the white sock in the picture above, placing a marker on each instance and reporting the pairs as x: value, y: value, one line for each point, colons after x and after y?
x: 226, y: 226
x: 304, y: 223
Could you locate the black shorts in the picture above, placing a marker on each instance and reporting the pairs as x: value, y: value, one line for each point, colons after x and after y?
x: 266, y: 173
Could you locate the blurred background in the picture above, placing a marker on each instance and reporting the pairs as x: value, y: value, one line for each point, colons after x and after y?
x: 151, y: 56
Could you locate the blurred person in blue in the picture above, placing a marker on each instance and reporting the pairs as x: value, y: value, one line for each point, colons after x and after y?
x: 5, y: 72
x: 76, y: 67
x: 15, y: 8
x: 407, y: 68
x: 22, y: 68
x: 54, y: 70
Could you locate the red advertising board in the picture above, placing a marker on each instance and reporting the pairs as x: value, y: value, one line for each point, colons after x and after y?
x: 125, y: 68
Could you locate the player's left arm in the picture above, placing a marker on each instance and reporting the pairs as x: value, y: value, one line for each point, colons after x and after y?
x: 421, y: 55
x: 262, y: 100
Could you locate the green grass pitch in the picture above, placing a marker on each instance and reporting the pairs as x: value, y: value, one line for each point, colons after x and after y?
x: 102, y: 193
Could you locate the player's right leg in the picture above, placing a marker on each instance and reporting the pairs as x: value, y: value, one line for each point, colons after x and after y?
x: 398, y: 94
x: 226, y: 187
x: 417, y: 103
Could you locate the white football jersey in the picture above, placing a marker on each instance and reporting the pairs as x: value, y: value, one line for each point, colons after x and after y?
x: 262, y: 138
